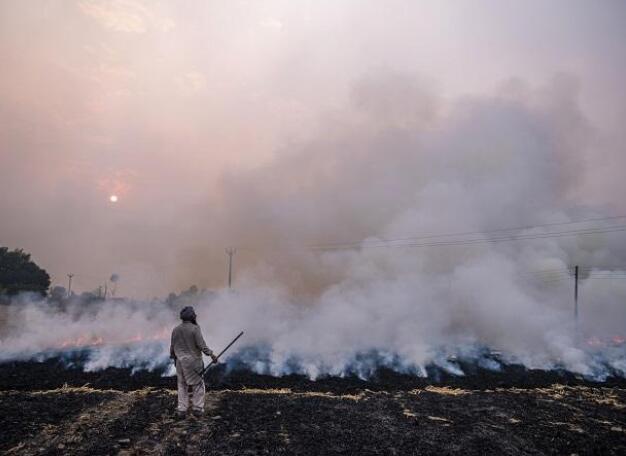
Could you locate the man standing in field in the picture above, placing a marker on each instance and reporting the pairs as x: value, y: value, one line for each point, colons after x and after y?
x: 186, y: 350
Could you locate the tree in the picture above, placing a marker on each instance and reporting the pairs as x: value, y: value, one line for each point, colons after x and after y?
x: 19, y: 273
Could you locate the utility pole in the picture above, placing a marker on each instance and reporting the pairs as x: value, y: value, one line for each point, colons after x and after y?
x: 69, y: 285
x: 230, y: 252
x: 576, y: 294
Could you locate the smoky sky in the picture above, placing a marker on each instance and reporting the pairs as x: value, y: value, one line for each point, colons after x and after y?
x: 274, y: 125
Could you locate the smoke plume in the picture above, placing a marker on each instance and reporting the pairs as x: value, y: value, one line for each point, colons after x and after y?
x: 389, y: 234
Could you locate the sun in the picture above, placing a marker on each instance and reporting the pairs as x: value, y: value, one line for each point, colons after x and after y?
x: 113, y: 198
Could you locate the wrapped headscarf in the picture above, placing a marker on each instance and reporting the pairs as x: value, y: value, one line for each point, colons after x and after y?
x: 188, y: 314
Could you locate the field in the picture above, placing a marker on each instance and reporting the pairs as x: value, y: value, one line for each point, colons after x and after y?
x: 256, y: 415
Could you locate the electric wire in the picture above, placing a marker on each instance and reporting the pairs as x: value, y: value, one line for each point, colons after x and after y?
x: 519, y: 237
x: 467, y: 233
x: 471, y: 233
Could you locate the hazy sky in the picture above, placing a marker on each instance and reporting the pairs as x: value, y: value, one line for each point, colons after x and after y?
x: 172, y: 106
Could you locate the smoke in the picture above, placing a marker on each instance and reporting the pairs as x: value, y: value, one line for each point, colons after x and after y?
x: 333, y: 144
x: 182, y: 113
x: 319, y: 286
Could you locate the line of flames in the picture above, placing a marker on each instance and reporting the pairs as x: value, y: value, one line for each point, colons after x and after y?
x: 605, y: 342
x: 92, y: 340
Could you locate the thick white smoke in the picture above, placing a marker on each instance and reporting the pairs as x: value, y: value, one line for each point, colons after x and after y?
x: 400, y: 162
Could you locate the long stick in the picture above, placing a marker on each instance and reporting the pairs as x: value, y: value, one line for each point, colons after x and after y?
x: 221, y: 353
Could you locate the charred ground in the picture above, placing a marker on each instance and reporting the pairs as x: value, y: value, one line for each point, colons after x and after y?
x: 433, y: 420
x: 56, y: 372
x: 50, y: 408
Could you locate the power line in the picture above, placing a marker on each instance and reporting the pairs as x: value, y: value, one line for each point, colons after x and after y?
x: 469, y: 233
x: 615, y: 276
x: 396, y: 243
x: 507, y: 234
x: 567, y: 274
x: 606, y: 278
x: 548, y: 282
x: 548, y: 273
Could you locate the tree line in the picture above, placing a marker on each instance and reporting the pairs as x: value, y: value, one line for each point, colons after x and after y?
x: 19, y: 273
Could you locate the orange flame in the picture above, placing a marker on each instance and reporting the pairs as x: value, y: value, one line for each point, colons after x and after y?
x: 595, y: 341
x: 92, y: 340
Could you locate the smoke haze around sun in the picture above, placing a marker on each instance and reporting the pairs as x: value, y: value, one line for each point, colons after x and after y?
x: 465, y: 166
x: 284, y: 124
x: 279, y: 126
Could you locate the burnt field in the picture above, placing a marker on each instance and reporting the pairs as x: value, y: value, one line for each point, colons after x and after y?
x: 50, y: 408
x: 59, y: 371
x: 432, y: 420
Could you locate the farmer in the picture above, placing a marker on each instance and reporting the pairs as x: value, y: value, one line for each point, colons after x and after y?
x: 186, y: 350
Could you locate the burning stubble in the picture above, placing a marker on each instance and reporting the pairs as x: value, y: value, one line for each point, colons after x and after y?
x: 319, y: 289
x: 361, y: 302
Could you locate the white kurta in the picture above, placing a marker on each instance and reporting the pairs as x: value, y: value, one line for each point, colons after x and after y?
x: 187, y: 347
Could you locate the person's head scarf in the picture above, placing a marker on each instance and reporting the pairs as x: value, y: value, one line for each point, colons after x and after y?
x: 188, y: 314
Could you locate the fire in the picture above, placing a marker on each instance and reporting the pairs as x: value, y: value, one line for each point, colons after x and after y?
x: 595, y: 342
x: 598, y: 342
x: 618, y: 340
x: 92, y: 340
x: 84, y: 340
